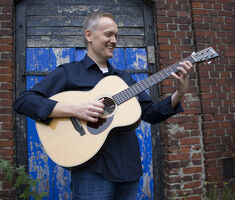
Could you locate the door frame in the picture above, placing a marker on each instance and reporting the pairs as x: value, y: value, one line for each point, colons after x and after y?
x: 20, y: 86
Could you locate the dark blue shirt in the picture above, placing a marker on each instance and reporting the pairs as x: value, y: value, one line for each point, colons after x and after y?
x: 120, y: 160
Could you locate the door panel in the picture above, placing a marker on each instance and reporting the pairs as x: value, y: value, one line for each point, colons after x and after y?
x: 53, y: 178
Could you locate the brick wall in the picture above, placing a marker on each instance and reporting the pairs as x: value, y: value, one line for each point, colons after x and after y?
x: 196, y: 142
x: 216, y: 82
x: 7, y: 148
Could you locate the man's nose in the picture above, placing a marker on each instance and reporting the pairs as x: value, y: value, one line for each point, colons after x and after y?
x: 114, y: 39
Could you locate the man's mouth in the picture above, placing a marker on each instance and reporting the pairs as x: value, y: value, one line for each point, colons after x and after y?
x: 110, y: 48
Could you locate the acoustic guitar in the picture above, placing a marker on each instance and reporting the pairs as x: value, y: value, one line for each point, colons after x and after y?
x: 71, y: 142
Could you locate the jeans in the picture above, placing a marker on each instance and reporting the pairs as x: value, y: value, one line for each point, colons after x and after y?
x: 90, y: 186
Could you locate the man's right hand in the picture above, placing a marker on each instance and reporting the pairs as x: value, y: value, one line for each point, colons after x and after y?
x: 90, y: 111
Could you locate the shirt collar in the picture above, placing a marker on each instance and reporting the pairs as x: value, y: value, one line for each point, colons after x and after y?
x: 88, y: 62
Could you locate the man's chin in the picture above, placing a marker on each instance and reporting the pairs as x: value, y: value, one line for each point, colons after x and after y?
x: 109, y: 56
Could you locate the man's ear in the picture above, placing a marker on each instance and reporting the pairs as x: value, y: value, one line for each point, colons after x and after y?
x: 88, y: 35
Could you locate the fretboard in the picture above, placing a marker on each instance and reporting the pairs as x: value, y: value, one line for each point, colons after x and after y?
x: 147, y: 83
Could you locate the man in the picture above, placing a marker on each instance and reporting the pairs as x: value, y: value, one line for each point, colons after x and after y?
x: 115, y: 173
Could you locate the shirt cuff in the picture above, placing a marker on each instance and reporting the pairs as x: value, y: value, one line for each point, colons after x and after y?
x: 168, y: 110
x: 45, y: 109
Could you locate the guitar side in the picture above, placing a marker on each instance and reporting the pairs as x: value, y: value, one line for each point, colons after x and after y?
x: 68, y: 147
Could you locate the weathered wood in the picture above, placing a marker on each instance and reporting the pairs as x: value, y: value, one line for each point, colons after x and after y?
x: 77, y: 41
x: 77, y: 21
x: 81, y: 10
x: 85, y: 2
x: 20, y: 121
x: 69, y: 31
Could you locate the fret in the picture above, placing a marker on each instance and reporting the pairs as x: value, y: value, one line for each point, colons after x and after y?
x: 140, y: 86
x: 169, y: 70
x: 174, y: 68
x: 155, y: 76
x: 134, y: 89
x: 116, y: 99
x: 152, y: 81
x: 165, y: 75
x: 148, y: 83
x: 159, y: 73
x: 130, y: 92
x: 145, y: 84
x: 190, y: 58
x: 122, y: 96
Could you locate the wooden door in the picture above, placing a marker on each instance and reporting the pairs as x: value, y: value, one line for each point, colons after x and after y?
x: 50, y: 34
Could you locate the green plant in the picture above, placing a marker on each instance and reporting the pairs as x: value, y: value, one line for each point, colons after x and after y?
x: 21, y: 180
x: 215, y: 193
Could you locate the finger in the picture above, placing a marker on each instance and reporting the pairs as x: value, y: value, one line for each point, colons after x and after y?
x: 182, y: 70
x: 101, y: 100
x: 175, y: 75
x: 186, y: 64
x: 92, y: 119
x: 94, y: 114
x: 99, y: 103
x: 97, y: 113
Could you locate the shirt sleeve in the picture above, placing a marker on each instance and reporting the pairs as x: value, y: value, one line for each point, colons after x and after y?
x: 35, y: 102
x: 160, y: 111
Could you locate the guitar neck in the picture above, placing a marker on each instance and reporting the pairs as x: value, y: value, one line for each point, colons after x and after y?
x: 147, y: 83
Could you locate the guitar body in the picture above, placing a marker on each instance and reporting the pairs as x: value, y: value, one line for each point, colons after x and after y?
x: 73, y: 142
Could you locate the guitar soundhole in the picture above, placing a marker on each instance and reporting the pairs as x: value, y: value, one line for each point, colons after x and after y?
x: 105, y: 120
x: 109, y: 106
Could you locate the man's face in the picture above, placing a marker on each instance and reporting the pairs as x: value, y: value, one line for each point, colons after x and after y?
x: 103, y: 39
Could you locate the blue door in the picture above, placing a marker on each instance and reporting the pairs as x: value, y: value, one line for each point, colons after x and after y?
x: 54, y: 179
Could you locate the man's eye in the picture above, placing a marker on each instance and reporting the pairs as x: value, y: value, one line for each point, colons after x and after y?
x: 108, y: 34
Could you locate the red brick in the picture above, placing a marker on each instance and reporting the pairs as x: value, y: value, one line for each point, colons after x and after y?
x: 207, y: 5
x: 166, y: 33
x: 212, y: 155
x: 185, y: 149
x: 194, y: 198
x: 6, y: 126
x: 192, y: 184
x: 174, y: 179
x: 164, y: 47
x: 196, y: 4
x: 6, y: 135
x: 7, y: 25
x: 6, y: 48
x: 6, y: 2
x: 6, y: 143
x: 161, y: 27
x: 199, y: 12
x: 5, y: 95
x: 190, y: 170
x: 4, y: 63
x: 189, y: 141
x: 7, y: 78
x: 197, y: 156
x: 182, y: 156
x: 5, y: 17
x: 7, y: 102
x: 7, y: 152
x: 211, y: 140
x: 6, y: 40
x: 225, y: 13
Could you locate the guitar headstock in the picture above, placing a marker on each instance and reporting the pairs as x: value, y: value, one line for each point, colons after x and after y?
x: 205, y: 54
